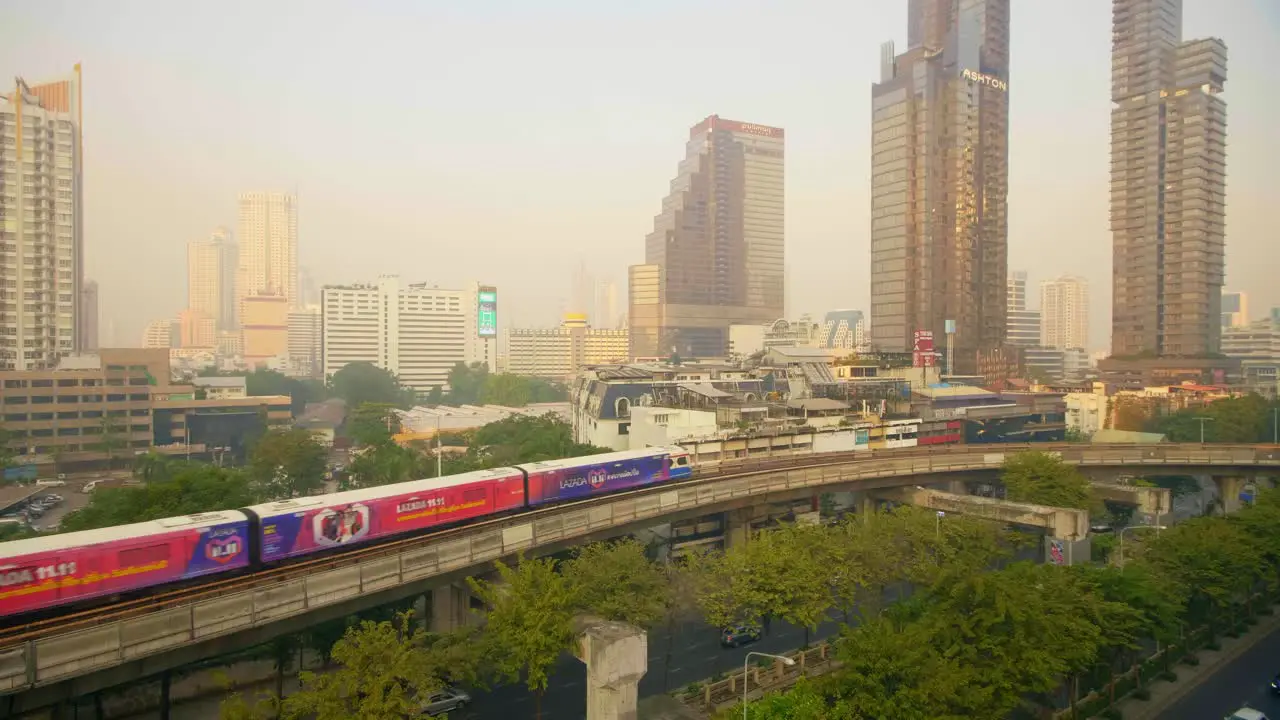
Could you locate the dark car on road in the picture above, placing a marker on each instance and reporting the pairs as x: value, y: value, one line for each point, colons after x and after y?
x: 739, y: 635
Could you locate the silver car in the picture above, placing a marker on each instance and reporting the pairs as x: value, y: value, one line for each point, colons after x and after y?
x: 442, y: 701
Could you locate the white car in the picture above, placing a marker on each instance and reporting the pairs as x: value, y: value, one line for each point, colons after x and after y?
x: 1246, y: 713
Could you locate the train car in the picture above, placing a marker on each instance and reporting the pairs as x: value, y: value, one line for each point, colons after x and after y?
x: 301, y: 526
x: 45, y: 572
x: 555, y: 481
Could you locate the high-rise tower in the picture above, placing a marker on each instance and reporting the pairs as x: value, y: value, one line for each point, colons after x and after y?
x: 939, y: 179
x: 1168, y: 180
x: 268, y: 236
x: 1064, y: 309
x: 41, y: 220
x: 716, y: 253
x: 211, y: 271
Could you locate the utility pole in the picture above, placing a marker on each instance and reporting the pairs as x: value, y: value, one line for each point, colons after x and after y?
x: 1202, y: 421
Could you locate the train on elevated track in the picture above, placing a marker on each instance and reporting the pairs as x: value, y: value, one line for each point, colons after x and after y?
x: 58, y: 571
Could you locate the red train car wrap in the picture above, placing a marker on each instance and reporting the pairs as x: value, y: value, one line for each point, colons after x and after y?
x: 560, y: 480
x: 44, y: 572
x: 308, y: 525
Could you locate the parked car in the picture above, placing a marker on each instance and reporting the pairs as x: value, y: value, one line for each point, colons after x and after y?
x: 1246, y: 713
x: 739, y: 635
x: 449, y: 699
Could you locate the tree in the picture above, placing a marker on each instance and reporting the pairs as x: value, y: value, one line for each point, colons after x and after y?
x: 270, y: 382
x: 1076, y: 435
x: 504, y: 389
x: 386, y: 464
x: 803, y: 702
x: 383, y: 670
x: 892, y: 670
x: 784, y: 573
x: 182, y: 489
x: 360, y: 382
x: 529, y: 621
x: 373, y: 423
x: 1211, y: 560
x: 616, y: 581
x: 1044, y: 479
x: 7, y: 453
x: 1020, y: 630
x: 466, y: 383
x: 111, y: 441
x: 287, y: 463
x: 522, y: 439
x: 1246, y: 419
x: 435, y: 397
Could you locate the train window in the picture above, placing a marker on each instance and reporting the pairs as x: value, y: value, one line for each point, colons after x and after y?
x: 134, y: 557
x: 682, y: 461
x: 474, y: 494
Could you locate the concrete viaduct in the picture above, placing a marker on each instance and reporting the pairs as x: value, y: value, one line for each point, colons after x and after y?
x: 47, y: 662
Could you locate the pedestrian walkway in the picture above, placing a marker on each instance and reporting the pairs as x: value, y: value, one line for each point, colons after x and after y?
x: 1165, y: 695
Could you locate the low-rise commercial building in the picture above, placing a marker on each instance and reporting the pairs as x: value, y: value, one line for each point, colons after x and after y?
x: 120, y: 402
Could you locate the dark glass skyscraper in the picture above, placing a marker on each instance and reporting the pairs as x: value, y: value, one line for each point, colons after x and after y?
x: 716, y: 253
x: 939, y: 179
x: 1168, y: 181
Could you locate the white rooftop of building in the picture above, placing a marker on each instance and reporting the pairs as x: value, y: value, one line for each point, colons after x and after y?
x: 423, y: 419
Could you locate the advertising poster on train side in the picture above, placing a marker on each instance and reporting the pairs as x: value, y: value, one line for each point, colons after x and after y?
x: 567, y: 484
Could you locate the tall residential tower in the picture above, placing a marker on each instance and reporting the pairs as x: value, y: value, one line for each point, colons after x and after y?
x: 939, y: 179
x: 1064, y: 311
x: 268, y: 236
x: 715, y: 256
x: 41, y: 220
x: 1168, y: 180
x: 211, y: 278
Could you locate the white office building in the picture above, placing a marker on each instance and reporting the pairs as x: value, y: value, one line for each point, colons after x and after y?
x: 304, y: 341
x: 416, y: 331
x: 559, y: 353
x: 1064, y: 313
x: 41, y: 220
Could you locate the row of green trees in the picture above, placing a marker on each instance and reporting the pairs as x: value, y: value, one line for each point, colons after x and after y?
x: 975, y: 643
x: 361, y: 383
x: 292, y: 463
x: 1247, y: 419
x: 516, y: 439
x: 381, y: 668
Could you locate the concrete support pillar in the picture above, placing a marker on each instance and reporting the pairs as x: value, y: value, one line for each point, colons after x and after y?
x: 864, y: 503
x: 737, y: 527
x: 1229, y: 487
x: 616, y: 656
x: 450, y: 606
x: 958, y: 487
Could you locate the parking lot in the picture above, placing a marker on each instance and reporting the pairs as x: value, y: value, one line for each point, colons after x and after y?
x: 45, y: 506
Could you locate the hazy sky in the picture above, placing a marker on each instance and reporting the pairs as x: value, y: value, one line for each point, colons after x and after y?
x: 505, y: 141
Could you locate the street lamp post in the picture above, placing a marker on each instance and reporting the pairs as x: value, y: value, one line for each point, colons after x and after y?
x: 439, y: 450
x: 746, y: 661
x: 1202, y: 421
x: 1158, y: 528
x: 1275, y: 426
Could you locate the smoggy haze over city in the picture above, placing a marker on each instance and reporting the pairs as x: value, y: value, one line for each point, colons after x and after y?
x: 506, y: 142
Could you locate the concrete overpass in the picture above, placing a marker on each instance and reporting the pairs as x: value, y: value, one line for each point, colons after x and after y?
x: 82, y: 653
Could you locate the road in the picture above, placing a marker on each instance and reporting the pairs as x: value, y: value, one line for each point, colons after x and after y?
x: 1244, y: 680
x: 697, y: 656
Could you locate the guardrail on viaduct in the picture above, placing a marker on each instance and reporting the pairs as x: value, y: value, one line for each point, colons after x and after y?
x: 102, y: 638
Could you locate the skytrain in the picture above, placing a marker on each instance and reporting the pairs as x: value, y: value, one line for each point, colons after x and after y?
x: 66, y: 570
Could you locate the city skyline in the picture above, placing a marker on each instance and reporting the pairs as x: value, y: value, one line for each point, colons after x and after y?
x: 1060, y: 206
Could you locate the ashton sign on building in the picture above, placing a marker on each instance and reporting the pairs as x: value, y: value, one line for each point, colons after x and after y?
x: 982, y: 79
